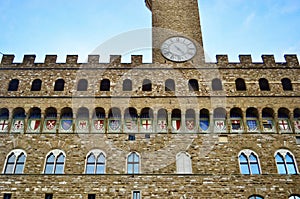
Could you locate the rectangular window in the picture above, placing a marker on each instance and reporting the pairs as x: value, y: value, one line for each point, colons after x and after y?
x: 297, y: 139
x: 92, y: 196
x: 131, y: 137
x: 7, y: 196
x: 48, y: 196
x: 136, y: 195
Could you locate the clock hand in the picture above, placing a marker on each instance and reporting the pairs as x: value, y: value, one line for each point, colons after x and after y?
x: 179, y: 49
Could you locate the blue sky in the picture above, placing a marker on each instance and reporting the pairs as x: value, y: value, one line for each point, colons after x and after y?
x: 64, y: 27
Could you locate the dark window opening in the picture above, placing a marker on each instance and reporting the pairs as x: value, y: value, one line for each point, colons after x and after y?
x: 264, y: 84
x: 127, y: 85
x: 193, y: 85
x: 48, y: 196
x: 170, y: 85
x: 82, y: 85
x: 217, y: 85
x: 13, y: 85
x: 240, y: 84
x: 105, y: 85
x: 147, y: 85
x: 36, y: 85
x: 59, y: 85
x: 286, y: 84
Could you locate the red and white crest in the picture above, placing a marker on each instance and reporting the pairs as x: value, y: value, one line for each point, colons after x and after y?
x: 176, y: 124
x: 284, y: 125
x: 162, y: 124
x: 220, y: 125
x: 3, y: 125
x: 130, y: 124
x: 147, y: 124
x: 50, y: 124
x: 34, y: 124
x: 82, y: 124
x: 297, y: 125
x: 99, y: 124
x: 190, y: 124
x: 18, y: 124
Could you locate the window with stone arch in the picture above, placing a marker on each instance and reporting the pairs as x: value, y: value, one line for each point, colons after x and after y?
x: 249, y: 162
x: 193, y: 85
x: 59, y: 85
x: 255, y: 197
x: 127, y: 85
x: 294, y: 196
x: 264, y: 84
x: 285, y: 162
x: 82, y: 85
x: 133, y: 163
x: 240, y: 84
x: 36, y: 85
x: 169, y: 85
x: 216, y: 84
x: 15, y: 162
x: 13, y: 85
x: 286, y: 84
x: 55, y: 162
x: 95, y: 162
x: 183, y: 163
x: 105, y: 85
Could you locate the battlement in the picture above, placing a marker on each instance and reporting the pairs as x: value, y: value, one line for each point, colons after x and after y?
x: 291, y: 60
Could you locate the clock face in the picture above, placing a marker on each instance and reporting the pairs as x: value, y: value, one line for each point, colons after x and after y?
x: 178, y: 49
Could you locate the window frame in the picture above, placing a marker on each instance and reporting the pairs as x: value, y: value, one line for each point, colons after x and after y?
x: 59, y: 85
x: 17, y: 153
x: 283, y: 153
x: 56, y: 153
x: 247, y: 153
x: 13, y: 85
x: 133, y: 163
x: 187, y: 157
x: 36, y: 85
x: 96, y: 153
x: 136, y: 192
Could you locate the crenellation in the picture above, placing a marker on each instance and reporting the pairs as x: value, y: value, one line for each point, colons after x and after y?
x: 71, y: 59
x: 268, y: 60
x: 291, y: 60
x: 7, y: 59
x: 28, y: 59
x: 50, y: 59
x: 136, y: 60
x: 115, y: 59
x: 222, y: 59
x: 93, y: 59
x: 245, y: 59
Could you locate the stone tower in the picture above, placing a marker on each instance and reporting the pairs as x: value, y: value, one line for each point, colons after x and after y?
x: 175, y: 18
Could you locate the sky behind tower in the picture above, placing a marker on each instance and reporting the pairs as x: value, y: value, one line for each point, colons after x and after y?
x: 81, y: 27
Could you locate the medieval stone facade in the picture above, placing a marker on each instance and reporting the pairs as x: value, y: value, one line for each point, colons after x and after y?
x: 166, y: 129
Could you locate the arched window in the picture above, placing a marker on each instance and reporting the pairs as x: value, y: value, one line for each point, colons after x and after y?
x: 216, y: 85
x: 286, y: 84
x: 204, y: 119
x: 82, y: 85
x: 193, y: 85
x: 236, y: 120
x: 105, y: 85
x: 190, y: 120
x: 183, y: 163
x: 147, y: 85
x: 95, y: 163
x: 133, y: 163
x: 114, y: 120
x: 36, y: 85
x: 240, y: 84
x: 13, y: 85
x: 264, y: 84
x: 162, y: 120
x: 268, y: 120
x: 169, y: 85
x: 55, y: 161
x: 176, y: 119
x: 15, y: 162
x: 50, y: 122
x: 256, y: 197
x: 284, y: 120
x: 252, y: 119
x: 220, y: 120
x: 59, y: 85
x: 127, y: 85
x: 146, y: 120
x: 294, y: 197
x: 249, y: 163
x: 4, y: 119
x: 285, y: 162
